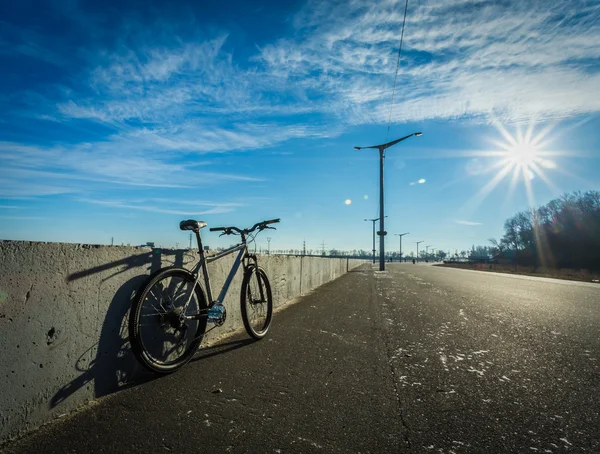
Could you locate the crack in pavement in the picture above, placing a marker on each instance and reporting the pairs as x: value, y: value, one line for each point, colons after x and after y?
x: 389, y: 355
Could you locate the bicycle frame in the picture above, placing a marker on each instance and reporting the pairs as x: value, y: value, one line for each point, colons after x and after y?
x: 204, y: 261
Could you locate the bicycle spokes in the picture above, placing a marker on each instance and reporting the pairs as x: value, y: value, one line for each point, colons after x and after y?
x: 257, y: 309
x: 166, y: 326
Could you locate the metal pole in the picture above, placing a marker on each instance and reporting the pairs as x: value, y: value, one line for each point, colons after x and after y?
x: 418, y: 242
x: 381, y: 214
x: 400, y: 247
x: 382, y: 232
x: 401, y: 235
x: 374, y: 220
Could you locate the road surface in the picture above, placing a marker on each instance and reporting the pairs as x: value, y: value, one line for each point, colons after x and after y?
x: 414, y: 359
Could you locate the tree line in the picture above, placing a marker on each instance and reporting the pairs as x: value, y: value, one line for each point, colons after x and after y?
x: 564, y: 233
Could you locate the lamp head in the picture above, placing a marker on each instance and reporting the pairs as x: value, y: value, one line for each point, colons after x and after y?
x: 357, y: 148
x: 418, y: 134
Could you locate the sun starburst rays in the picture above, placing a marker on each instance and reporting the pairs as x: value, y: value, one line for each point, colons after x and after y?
x: 519, y: 157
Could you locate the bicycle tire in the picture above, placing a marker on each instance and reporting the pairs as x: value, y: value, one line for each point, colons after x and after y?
x: 152, y: 288
x: 254, y: 277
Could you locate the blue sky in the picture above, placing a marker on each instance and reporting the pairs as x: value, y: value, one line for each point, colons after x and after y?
x: 118, y: 121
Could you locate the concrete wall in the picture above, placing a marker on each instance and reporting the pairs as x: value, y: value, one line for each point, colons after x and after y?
x: 63, y: 319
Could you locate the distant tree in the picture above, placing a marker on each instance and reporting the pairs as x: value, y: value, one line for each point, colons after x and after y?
x: 497, y: 247
x: 563, y: 233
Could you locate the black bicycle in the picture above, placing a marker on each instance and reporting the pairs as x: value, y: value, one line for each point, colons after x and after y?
x: 169, y: 316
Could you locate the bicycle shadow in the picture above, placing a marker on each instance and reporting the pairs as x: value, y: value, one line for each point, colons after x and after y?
x: 109, y: 365
x: 220, y: 348
x: 113, y: 368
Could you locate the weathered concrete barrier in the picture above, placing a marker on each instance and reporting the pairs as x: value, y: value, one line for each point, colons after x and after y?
x: 63, y: 319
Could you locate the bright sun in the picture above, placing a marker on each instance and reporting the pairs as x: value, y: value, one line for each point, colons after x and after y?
x: 523, y: 155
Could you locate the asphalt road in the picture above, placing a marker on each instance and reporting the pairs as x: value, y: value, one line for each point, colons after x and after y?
x: 416, y: 359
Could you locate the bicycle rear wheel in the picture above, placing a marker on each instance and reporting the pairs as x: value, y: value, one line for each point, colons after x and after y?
x: 257, y: 302
x: 162, y: 335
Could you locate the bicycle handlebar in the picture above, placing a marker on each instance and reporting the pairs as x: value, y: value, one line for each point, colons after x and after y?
x: 260, y: 225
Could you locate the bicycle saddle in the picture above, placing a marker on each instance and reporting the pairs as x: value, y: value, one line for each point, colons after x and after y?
x: 190, y: 224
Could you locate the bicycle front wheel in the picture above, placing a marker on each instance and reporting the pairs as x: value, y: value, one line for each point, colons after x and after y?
x: 257, y: 302
x: 168, y: 320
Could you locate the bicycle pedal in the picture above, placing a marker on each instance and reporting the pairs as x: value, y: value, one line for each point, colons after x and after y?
x: 216, y: 312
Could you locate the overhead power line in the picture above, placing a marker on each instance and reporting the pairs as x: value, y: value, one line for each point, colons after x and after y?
x: 396, y: 77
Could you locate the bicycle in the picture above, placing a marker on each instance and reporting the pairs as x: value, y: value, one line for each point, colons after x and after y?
x: 171, y: 313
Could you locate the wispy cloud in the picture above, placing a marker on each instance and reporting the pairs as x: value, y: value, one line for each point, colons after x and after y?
x: 159, y: 206
x: 460, y: 58
x: 165, y: 97
x: 39, y: 171
x: 467, y: 222
x: 23, y: 218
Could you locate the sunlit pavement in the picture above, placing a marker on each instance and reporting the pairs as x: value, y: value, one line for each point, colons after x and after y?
x: 418, y: 358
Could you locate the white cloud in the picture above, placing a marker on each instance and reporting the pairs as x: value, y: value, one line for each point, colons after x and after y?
x: 38, y: 171
x: 468, y: 223
x: 459, y: 58
x: 24, y: 218
x: 168, y: 98
x: 213, y: 208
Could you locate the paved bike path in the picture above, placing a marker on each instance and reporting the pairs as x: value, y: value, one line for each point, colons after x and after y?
x: 320, y: 382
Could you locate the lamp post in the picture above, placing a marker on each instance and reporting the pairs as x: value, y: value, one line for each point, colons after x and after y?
x: 427, y: 252
x: 418, y: 242
x: 373, y: 221
x: 401, y: 235
x: 382, y: 231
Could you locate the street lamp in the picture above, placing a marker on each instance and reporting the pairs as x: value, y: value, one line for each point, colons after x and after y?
x: 401, y: 235
x: 373, y: 221
x: 418, y: 242
x: 427, y: 252
x: 382, y: 231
